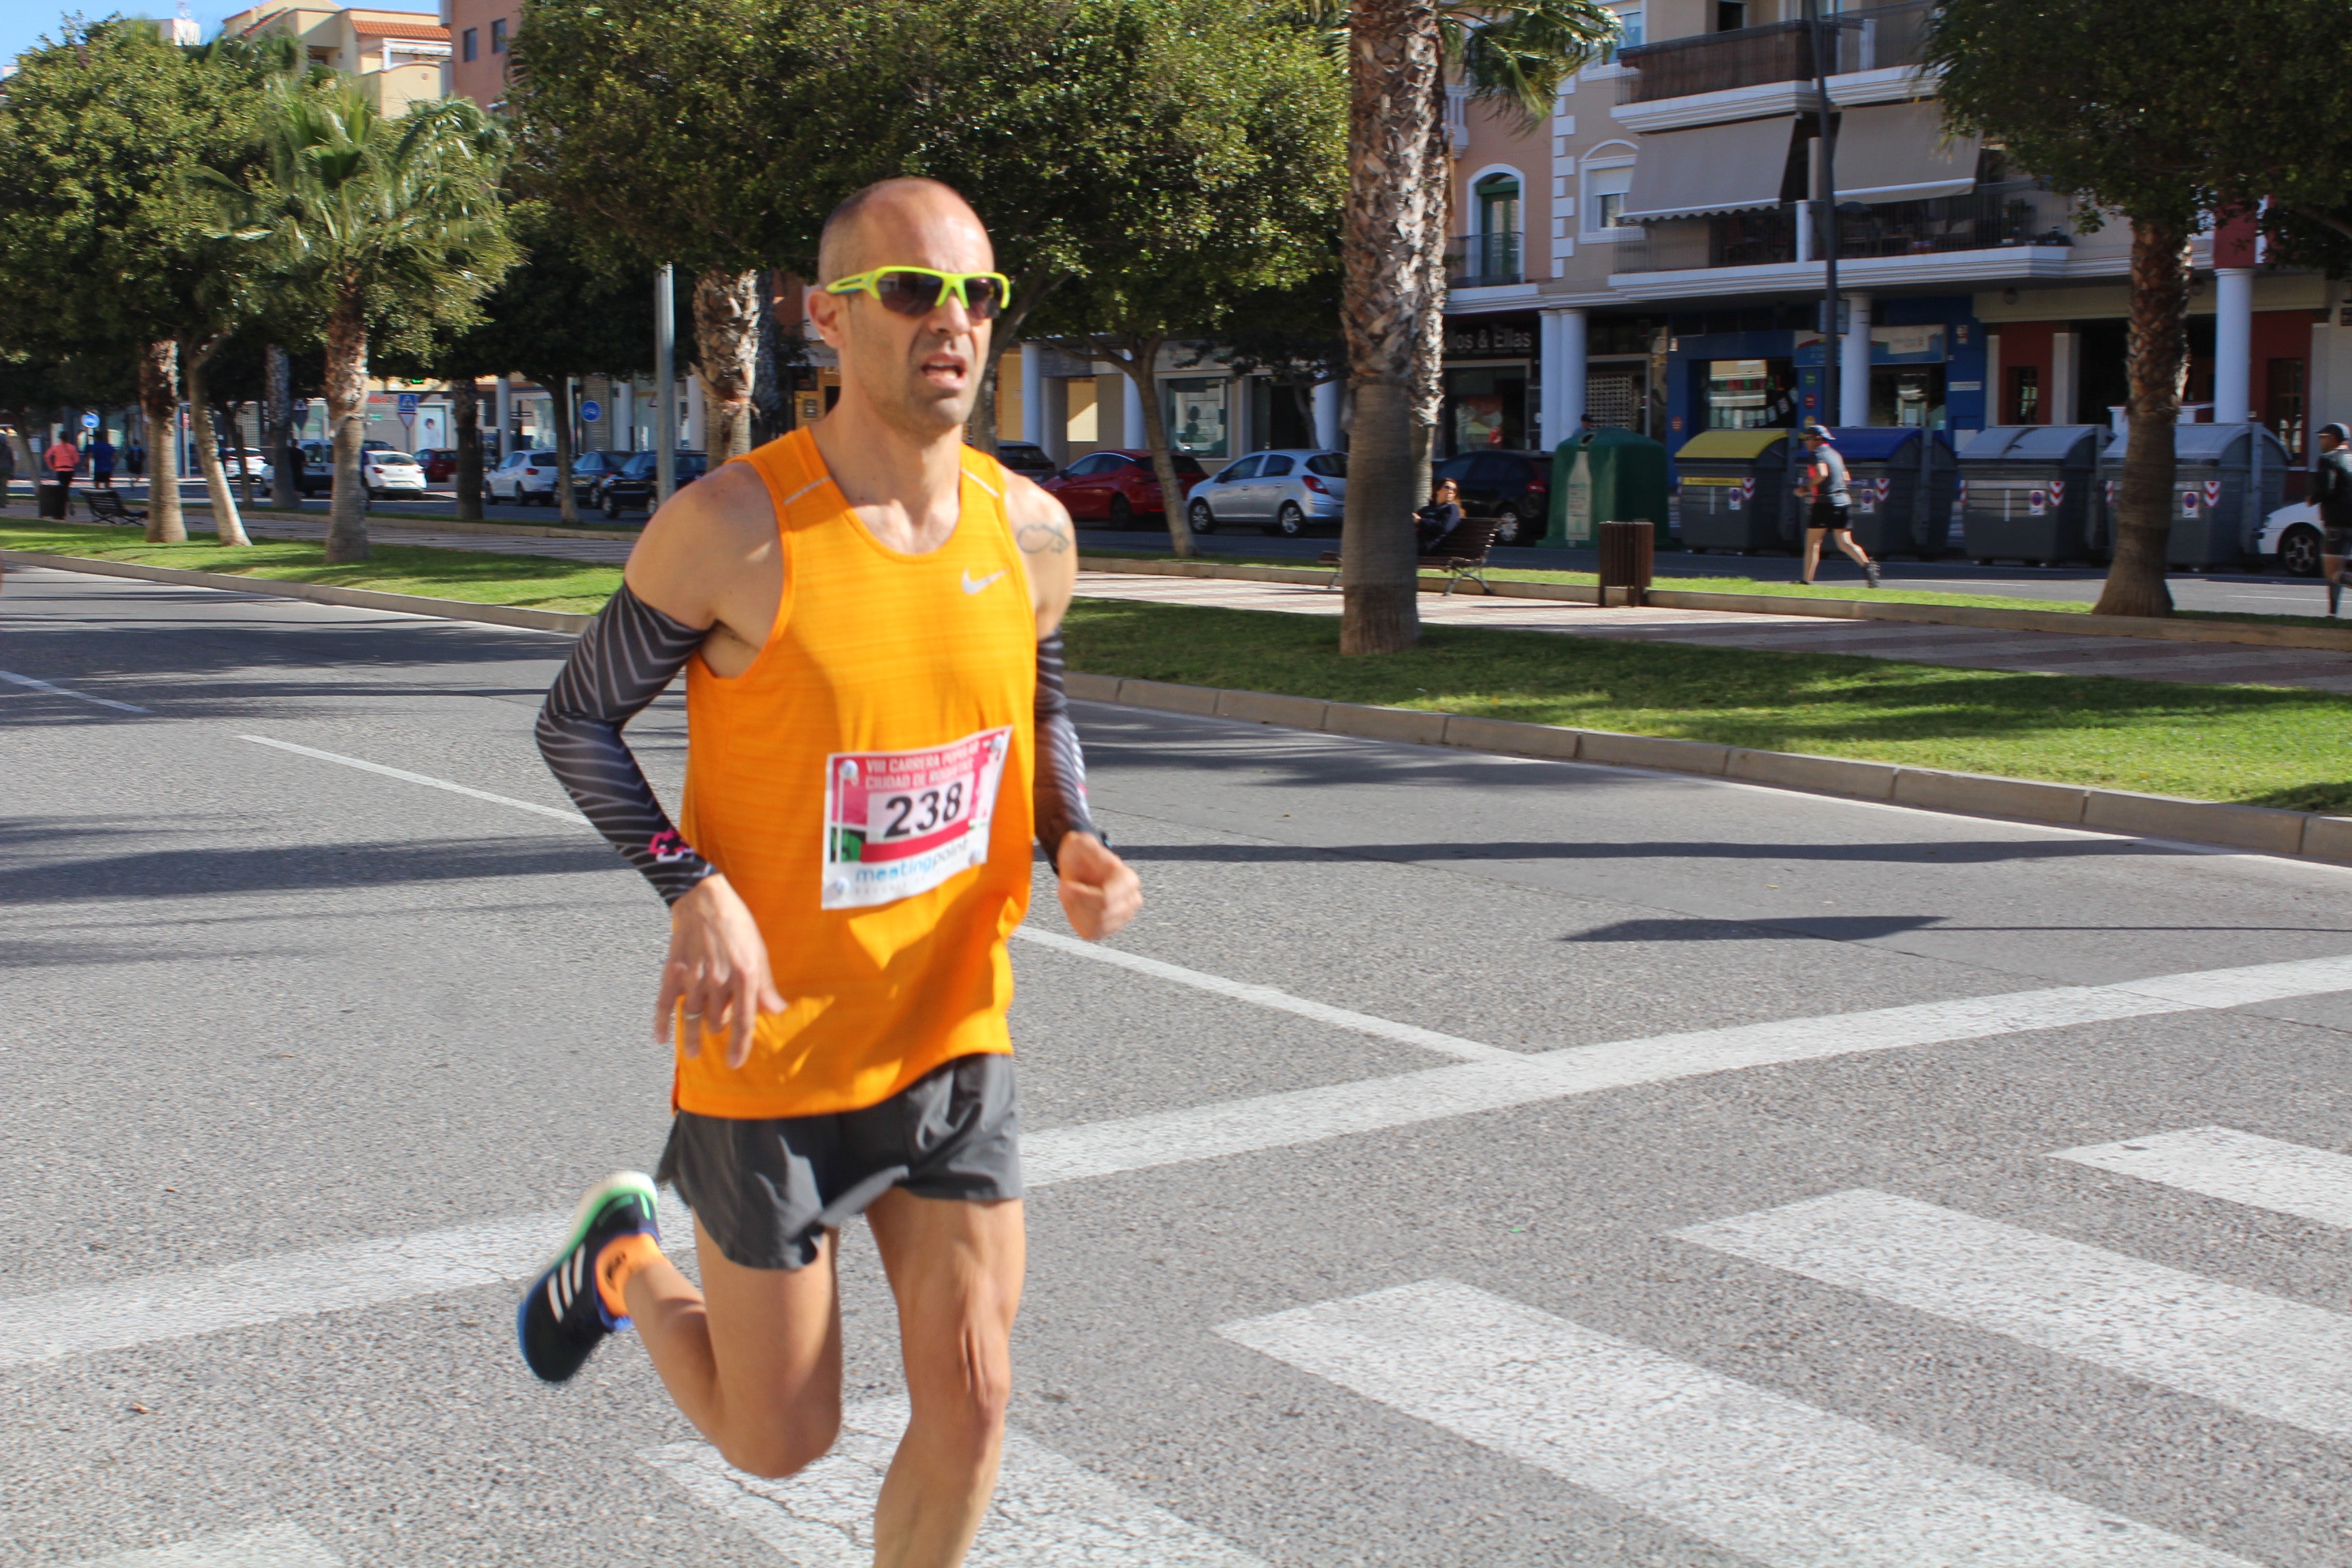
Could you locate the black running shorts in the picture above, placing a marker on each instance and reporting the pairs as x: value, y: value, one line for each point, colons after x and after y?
x: 766, y: 1191
x: 1831, y: 516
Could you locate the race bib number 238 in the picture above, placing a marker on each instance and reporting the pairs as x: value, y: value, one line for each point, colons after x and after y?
x: 901, y: 822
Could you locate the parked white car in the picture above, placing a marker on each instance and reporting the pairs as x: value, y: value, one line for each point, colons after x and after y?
x: 1286, y: 491
x: 2292, y: 533
x: 526, y: 478
x: 387, y: 473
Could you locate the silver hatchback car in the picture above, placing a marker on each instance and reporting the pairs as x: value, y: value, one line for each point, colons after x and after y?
x: 1286, y: 492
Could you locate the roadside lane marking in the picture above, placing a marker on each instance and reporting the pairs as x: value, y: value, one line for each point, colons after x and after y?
x: 30, y: 684
x: 424, y: 779
x: 1047, y: 1511
x: 2264, y: 1355
x: 115, y: 1316
x: 1751, y: 1470
x: 273, y: 1546
x: 2237, y: 1167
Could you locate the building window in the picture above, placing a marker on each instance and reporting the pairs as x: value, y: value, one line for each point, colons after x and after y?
x: 1605, y: 201
x: 2024, y: 395
x: 1631, y: 21
x: 2282, y: 409
x: 472, y: 38
x: 1730, y: 16
x: 1195, y: 412
x: 497, y: 35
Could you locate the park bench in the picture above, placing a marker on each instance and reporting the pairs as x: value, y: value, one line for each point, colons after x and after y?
x: 1461, y: 555
x: 105, y: 506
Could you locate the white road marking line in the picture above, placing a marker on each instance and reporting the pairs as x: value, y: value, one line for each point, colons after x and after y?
x: 1268, y: 997
x: 273, y: 1546
x: 1336, y: 1111
x: 1047, y: 1513
x: 426, y: 779
x: 2264, y: 1355
x: 2238, y: 1167
x: 1751, y: 1470
x: 30, y: 684
x: 89, y: 1319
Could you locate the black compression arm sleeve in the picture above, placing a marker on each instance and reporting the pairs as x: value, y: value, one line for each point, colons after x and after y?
x: 1060, y: 792
x: 624, y: 661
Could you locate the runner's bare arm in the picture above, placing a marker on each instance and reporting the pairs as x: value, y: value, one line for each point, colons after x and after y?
x: 695, y: 579
x: 1099, y: 891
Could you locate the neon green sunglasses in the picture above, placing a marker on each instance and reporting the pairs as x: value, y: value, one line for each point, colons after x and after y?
x: 919, y: 290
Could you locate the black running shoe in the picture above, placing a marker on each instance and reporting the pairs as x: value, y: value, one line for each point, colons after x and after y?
x: 1870, y: 572
x: 563, y: 1320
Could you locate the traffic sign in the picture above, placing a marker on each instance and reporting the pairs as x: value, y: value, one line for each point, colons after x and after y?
x: 89, y: 421
x: 591, y: 411
x: 407, y: 404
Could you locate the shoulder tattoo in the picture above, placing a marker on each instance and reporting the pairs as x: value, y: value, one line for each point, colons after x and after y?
x: 1044, y: 538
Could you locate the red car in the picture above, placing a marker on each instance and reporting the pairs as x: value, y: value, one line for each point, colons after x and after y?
x: 1118, y: 486
x: 439, y: 463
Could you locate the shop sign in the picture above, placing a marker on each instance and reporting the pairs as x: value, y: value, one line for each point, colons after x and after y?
x: 1499, y: 340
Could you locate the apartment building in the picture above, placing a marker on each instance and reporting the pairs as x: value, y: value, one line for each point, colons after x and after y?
x: 480, y: 32
x: 1649, y: 257
x: 399, y: 56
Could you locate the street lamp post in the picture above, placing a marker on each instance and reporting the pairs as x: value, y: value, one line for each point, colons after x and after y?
x: 665, y: 387
x: 1825, y: 206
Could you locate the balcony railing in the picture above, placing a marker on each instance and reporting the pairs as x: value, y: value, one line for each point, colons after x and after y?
x: 1865, y: 40
x: 1482, y: 261
x: 2015, y: 214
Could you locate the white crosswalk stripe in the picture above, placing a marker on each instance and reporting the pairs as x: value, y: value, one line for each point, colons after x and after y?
x: 1755, y: 1471
x: 1047, y: 1513
x: 2262, y: 1354
x: 273, y: 1546
x: 2239, y: 1167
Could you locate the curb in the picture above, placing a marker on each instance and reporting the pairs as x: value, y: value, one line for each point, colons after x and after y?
x: 409, y: 520
x: 2306, y: 835
x: 2322, y: 638
x: 316, y: 592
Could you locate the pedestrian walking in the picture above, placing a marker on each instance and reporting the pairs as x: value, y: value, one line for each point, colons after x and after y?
x: 8, y: 465
x: 1821, y: 484
x: 101, y: 462
x: 2331, y: 490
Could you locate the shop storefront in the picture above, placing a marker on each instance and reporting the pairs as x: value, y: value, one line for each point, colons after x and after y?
x: 1489, y: 401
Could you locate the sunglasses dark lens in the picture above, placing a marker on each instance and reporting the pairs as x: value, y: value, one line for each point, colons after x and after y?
x: 909, y: 293
x: 987, y: 299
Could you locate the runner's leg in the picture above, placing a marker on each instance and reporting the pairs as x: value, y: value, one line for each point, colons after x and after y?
x: 1813, y: 553
x: 753, y: 1358
x: 1845, y: 542
x: 956, y: 1269
x: 2332, y: 566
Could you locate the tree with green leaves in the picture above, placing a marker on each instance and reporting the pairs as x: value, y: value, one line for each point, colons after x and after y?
x: 107, y: 244
x: 393, y: 224
x: 2165, y: 111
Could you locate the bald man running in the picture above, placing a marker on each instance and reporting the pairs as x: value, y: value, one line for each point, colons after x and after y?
x: 866, y: 612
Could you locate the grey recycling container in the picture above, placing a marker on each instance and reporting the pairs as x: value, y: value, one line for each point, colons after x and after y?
x: 1735, y: 491
x: 1903, y: 480
x: 2226, y: 480
x: 2033, y: 494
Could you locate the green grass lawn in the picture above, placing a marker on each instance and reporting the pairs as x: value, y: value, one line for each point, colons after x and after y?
x: 533, y: 582
x: 2253, y: 744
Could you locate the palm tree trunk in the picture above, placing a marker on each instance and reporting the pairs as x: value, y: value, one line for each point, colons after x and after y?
x: 159, y: 399
x: 2158, y: 359
x: 567, y: 501
x: 727, y: 341
x: 469, y: 452
x: 1394, y: 75
x: 226, y: 524
x: 347, y: 539
x: 284, y: 483
x: 1428, y: 343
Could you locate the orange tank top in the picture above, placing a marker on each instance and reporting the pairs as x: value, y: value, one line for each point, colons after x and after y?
x: 865, y: 786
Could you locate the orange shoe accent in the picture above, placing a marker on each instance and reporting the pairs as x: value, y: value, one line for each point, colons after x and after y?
x: 621, y: 1259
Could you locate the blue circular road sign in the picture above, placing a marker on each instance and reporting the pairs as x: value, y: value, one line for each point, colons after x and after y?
x: 89, y: 421
x: 591, y: 411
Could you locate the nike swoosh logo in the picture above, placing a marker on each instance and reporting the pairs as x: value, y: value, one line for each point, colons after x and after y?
x: 971, y: 587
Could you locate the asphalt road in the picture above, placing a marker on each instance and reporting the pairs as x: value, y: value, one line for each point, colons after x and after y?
x: 1472, y: 1162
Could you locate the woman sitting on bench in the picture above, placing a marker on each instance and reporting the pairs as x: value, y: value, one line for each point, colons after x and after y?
x: 1441, y: 517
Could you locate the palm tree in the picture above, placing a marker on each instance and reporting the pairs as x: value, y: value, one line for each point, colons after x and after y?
x: 375, y: 214
x: 1399, y: 211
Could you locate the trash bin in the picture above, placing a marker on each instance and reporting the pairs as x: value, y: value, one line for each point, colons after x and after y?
x: 1609, y: 474
x: 1735, y: 490
x: 1902, y: 478
x: 2228, y: 478
x: 1625, y: 558
x: 53, y: 500
x: 2032, y: 493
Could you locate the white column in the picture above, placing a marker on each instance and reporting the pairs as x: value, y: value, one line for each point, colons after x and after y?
x: 1562, y: 344
x: 624, y: 416
x: 692, y: 390
x: 1130, y: 414
x: 2233, y: 344
x: 1033, y: 394
x: 2066, y: 378
x: 1326, y: 413
x: 1854, y: 363
x: 506, y: 418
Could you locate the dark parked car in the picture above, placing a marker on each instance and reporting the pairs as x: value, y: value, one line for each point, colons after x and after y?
x: 632, y: 487
x: 1026, y: 457
x: 590, y: 470
x: 1512, y: 488
x: 1116, y: 487
x: 439, y: 463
